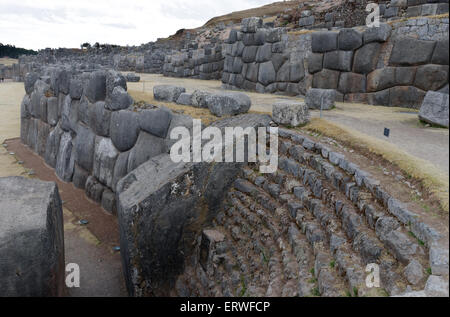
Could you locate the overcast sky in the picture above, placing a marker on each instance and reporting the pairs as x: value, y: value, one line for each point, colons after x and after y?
x: 39, y: 24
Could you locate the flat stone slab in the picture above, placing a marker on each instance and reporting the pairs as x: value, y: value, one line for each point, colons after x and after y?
x: 32, y: 238
x: 290, y: 113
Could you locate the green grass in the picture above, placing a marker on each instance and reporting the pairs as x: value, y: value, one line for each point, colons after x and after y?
x: 415, y: 237
x: 243, y: 288
x: 315, y: 291
x: 312, y: 280
x: 333, y: 264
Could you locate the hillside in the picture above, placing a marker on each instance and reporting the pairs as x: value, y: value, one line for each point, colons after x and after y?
x: 14, y: 52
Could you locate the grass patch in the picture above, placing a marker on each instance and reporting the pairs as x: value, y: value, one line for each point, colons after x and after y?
x: 197, y: 113
x: 439, y: 16
x: 312, y: 280
x: 332, y: 264
x: 434, y: 181
x: 415, y: 237
x: 315, y: 291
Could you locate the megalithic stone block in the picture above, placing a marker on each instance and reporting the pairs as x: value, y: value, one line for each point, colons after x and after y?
x: 32, y: 238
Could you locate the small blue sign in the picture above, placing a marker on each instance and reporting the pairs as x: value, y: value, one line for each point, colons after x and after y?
x: 387, y: 132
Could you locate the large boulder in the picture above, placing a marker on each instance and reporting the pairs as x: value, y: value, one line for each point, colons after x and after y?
x: 104, y: 159
x: 30, y: 79
x: 95, y: 87
x: 124, y: 129
x: 320, y: 98
x: 434, y: 109
x: 155, y: 121
x: 324, y: 42
x: 132, y: 77
x: 198, y: 98
x: 338, y: 60
x: 267, y: 74
x: 185, y: 99
x: 431, y: 77
x: 290, y: 113
x: 410, y: 51
x: 230, y: 103
x: 326, y: 79
x: 377, y: 34
x: 162, y: 209
x: 32, y: 238
x: 349, y: 39
x: 366, y: 58
x: 147, y: 146
x: 65, y: 160
x: 167, y: 92
x: 251, y: 25
x: 119, y: 99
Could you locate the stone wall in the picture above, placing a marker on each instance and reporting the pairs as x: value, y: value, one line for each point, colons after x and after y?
x: 390, y: 65
x: 88, y: 129
x: 310, y: 229
x: 197, y: 63
x: 392, y: 10
x: 16, y: 72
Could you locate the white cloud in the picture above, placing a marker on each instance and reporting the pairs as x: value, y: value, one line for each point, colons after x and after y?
x: 53, y: 23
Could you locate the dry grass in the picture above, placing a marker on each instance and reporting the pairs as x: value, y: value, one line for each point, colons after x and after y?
x: 197, y: 113
x: 8, y: 61
x: 267, y: 10
x: 439, y: 16
x: 433, y: 180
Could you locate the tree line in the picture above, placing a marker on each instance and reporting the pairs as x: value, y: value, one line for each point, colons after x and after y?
x: 14, y: 52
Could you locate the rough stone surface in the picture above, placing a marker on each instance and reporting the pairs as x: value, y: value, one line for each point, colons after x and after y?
x: 434, y: 109
x: 349, y: 39
x: 124, y: 129
x: 366, y: 58
x: 95, y: 87
x: 199, y: 99
x: 65, y: 160
x: 377, y: 34
x: 290, y: 113
x: 155, y: 121
x: 171, y: 203
x: 32, y: 235
x: 230, y: 103
x: 320, y: 98
x: 437, y: 286
x: 409, y: 51
x: 147, y: 146
x: 105, y: 156
x: 185, y: 99
x: 324, y: 42
x: 119, y: 99
x: 431, y: 77
x: 414, y: 272
x: 338, y: 60
x: 167, y: 92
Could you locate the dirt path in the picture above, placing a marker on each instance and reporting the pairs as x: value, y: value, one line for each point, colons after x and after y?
x: 431, y: 144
